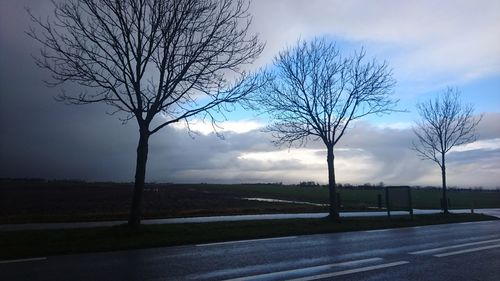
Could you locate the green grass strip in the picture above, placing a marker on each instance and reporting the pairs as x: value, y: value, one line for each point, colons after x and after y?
x: 36, y: 243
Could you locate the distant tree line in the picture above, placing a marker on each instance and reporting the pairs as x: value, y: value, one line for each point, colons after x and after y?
x: 301, y: 184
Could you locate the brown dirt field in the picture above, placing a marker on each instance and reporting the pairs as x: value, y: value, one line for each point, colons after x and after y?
x: 39, y: 201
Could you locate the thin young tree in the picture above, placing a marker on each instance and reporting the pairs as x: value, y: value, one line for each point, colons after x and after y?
x: 316, y: 93
x: 445, y: 123
x: 155, y: 61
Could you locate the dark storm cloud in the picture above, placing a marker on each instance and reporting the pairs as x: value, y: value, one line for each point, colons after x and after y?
x: 39, y: 136
x: 43, y: 138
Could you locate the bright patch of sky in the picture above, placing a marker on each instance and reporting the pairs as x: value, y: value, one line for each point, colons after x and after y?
x: 206, y: 127
x: 302, y: 155
x: 489, y: 144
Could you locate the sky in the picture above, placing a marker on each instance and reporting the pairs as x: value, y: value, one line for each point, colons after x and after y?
x: 429, y: 45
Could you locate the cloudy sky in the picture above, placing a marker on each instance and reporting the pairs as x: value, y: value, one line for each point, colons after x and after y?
x: 429, y: 45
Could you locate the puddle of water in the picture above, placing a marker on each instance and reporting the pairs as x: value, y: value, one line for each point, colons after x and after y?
x: 284, y: 201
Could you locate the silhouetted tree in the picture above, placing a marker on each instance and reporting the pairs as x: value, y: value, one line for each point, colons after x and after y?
x: 445, y: 123
x: 315, y: 92
x: 157, y: 61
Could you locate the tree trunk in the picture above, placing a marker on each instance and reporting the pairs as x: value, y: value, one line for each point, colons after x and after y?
x: 443, y: 176
x: 140, y: 175
x: 334, y: 213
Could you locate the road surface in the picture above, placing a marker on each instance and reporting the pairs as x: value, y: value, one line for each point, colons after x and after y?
x: 463, y: 251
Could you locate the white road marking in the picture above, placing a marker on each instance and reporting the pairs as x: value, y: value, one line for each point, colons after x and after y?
x: 378, y: 230
x: 23, y: 260
x: 245, y: 241
x: 350, y: 271
x: 467, y: 251
x: 304, y: 270
x: 470, y: 222
x: 453, y: 247
x: 475, y: 222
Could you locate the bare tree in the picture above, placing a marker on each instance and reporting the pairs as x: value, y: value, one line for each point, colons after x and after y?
x: 315, y: 92
x: 445, y: 123
x: 157, y: 61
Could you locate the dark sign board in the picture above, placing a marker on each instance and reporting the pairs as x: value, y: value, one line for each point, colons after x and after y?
x: 398, y: 198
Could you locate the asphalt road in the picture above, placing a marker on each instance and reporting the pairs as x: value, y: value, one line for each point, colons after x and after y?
x: 464, y: 251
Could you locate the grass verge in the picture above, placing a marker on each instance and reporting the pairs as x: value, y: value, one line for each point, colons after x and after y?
x: 35, y: 243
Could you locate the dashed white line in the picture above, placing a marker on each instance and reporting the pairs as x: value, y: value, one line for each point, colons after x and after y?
x: 304, y: 270
x: 378, y: 230
x: 23, y: 260
x: 467, y: 251
x: 349, y: 271
x: 453, y: 247
x: 245, y: 241
x: 469, y: 222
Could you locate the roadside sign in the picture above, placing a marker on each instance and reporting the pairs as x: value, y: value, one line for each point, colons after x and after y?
x: 398, y: 198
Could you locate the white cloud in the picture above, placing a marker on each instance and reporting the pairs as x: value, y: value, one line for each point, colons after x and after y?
x: 489, y: 144
x: 394, y: 125
x: 457, y: 40
x: 302, y: 155
x: 367, y: 153
x: 353, y: 165
x: 206, y: 128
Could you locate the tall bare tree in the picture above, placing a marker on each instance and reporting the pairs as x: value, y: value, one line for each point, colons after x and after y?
x: 445, y: 123
x: 316, y: 93
x: 157, y: 61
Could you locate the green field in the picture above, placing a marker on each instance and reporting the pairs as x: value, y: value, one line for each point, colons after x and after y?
x: 358, y: 198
